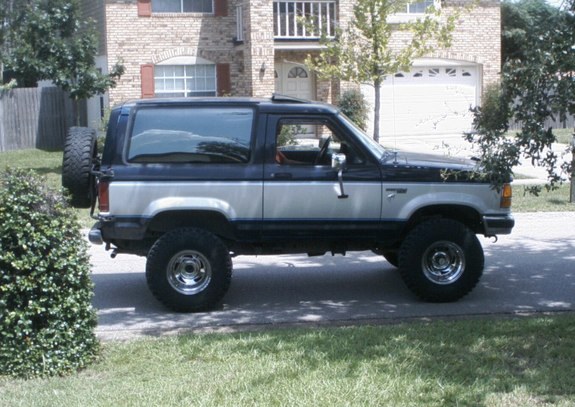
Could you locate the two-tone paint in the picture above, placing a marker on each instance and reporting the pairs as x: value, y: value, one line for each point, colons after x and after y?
x: 263, y: 206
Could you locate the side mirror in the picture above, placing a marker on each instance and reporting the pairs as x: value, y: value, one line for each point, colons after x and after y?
x: 338, y: 161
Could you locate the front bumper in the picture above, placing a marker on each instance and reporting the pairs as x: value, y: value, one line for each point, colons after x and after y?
x: 498, y: 224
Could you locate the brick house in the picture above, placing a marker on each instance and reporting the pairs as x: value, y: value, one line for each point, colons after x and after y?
x: 253, y: 48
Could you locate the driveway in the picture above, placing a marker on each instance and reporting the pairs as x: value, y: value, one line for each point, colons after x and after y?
x: 530, y: 271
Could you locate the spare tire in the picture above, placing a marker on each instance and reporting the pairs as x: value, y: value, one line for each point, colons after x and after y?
x: 80, y: 155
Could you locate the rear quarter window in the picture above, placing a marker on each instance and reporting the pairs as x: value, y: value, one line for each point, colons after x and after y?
x: 189, y: 134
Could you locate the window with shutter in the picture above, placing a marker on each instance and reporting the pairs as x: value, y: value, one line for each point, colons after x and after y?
x: 224, y: 79
x: 185, y: 80
x: 220, y: 8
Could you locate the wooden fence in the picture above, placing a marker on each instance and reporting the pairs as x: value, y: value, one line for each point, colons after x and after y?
x: 569, y: 123
x: 34, y: 118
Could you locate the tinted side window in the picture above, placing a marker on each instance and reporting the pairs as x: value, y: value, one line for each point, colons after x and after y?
x: 191, y: 135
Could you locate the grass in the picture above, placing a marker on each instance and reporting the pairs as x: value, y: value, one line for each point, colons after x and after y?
x: 48, y: 164
x: 524, y: 361
x: 45, y: 163
x: 546, y: 201
x: 564, y: 136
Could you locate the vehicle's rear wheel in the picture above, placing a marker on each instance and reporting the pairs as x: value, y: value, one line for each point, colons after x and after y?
x: 80, y: 155
x: 441, y: 260
x: 189, y: 270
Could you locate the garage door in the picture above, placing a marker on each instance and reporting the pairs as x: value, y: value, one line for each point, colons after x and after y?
x: 427, y: 100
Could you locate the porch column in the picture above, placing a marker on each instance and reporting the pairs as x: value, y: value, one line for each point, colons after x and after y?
x: 259, y: 47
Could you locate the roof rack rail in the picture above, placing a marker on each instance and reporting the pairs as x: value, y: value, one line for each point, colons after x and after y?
x: 278, y: 97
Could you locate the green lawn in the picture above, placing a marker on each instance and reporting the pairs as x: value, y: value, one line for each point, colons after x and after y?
x: 46, y: 163
x: 525, y: 361
x: 546, y: 201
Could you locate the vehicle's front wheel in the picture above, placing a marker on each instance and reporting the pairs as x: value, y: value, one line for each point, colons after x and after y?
x: 189, y: 270
x: 441, y: 260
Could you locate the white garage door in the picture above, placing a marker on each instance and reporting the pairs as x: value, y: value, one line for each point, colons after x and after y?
x: 427, y: 100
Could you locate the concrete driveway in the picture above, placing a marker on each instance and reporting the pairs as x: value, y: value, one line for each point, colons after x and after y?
x: 530, y: 271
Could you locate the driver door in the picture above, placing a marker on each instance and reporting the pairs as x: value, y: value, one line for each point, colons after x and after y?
x: 302, y: 196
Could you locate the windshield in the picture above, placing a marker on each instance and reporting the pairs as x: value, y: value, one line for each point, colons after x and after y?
x: 374, y: 147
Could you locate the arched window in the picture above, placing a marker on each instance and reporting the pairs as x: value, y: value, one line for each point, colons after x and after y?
x: 297, y: 72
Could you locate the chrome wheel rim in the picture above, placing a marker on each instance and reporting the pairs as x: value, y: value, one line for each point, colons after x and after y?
x: 443, y: 262
x: 189, y: 272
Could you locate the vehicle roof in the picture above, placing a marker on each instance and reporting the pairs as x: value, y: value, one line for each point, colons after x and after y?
x: 277, y: 103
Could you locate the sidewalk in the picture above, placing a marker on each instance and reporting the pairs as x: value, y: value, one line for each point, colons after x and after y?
x: 454, y: 145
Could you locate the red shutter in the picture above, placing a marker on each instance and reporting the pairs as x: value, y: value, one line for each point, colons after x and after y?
x: 224, y: 79
x: 220, y: 8
x: 147, y: 77
x: 144, y: 8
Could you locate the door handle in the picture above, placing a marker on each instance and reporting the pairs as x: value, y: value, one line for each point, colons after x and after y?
x: 281, y: 175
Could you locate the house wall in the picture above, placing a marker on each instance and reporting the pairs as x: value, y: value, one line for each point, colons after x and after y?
x: 258, y: 48
x: 149, y: 40
x: 476, y: 38
x: 140, y: 40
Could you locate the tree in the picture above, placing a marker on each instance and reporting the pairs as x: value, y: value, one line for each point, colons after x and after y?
x: 538, y: 83
x: 519, y: 20
x: 49, y: 40
x: 363, y: 53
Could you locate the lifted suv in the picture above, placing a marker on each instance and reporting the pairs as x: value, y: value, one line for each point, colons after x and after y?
x: 190, y: 183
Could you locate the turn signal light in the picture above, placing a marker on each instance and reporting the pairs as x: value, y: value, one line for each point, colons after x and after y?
x: 506, y: 195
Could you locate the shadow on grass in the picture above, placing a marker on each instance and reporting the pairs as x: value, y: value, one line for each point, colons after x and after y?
x: 45, y: 171
x: 444, y: 363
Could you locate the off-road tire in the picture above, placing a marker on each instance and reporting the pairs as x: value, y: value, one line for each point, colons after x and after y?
x: 441, y: 260
x: 189, y: 270
x: 80, y: 155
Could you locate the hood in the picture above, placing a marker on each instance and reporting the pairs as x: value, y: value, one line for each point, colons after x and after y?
x: 419, y: 167
x: 422, y: 160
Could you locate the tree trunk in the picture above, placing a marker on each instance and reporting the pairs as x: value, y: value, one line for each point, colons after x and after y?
x: 572, y: 194
x: 377, y: 87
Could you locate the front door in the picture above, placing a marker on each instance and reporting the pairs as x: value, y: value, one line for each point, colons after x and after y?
x: 294, y: 80
x: 302, y: 196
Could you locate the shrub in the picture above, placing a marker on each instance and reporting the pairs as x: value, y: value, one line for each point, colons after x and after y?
x: 46, y: 318
x: 354, y: 105
x: 493, y: 115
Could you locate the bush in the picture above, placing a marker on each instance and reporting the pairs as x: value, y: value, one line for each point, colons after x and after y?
x: 46, y: 318
x: 353, y: 104
x: 493, y: 115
